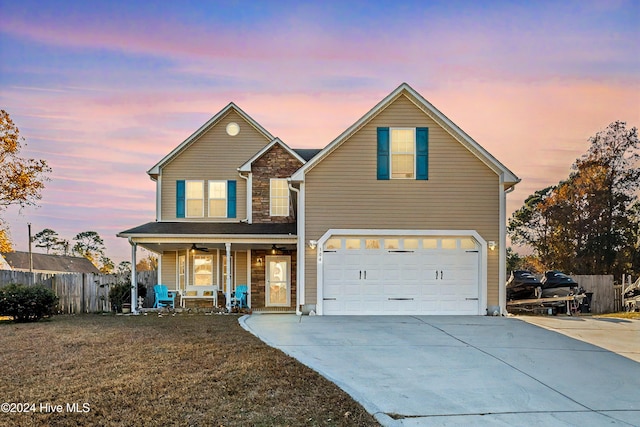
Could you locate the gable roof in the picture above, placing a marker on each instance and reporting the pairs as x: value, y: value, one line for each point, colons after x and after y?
x: 509, y: 178
x: 155, y: 170
x: 246, y: 167
x: 46, y: 262
x: 307, y: 153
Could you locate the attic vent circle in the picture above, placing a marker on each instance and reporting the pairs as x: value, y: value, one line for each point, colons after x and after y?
x: 233, y: 129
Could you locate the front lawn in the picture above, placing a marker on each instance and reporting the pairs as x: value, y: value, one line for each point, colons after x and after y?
x: 190, y: 370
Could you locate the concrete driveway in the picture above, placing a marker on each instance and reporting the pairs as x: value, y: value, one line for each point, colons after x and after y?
x: 621, y: 336
x: 461, y: 371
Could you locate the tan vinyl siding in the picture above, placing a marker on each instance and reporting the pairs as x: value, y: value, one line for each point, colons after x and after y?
x: 342, y: 191
x: 214, y: 156
x: 241, y: 268
x: 169, y: 268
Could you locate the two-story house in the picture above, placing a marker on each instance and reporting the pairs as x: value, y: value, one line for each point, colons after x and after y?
x: 403, y: 213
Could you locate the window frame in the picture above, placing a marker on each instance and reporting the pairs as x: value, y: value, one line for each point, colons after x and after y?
x: 272, y: 197
x: 211, y: 275
x: 226, y: 198
x: 187, y: 198
x: 182, y: 272
x: 392, y: 153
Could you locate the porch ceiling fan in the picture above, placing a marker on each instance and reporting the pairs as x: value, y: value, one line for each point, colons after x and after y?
x: 276, y: 249
x: 196, y: 248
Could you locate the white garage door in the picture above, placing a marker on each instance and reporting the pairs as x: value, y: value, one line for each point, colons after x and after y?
x: 400, y: 275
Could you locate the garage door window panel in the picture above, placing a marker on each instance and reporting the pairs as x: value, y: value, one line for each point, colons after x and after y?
x: 468, y: 243
x: 391, y: 244
x: 352, y: 244
x: 429, y: 243
x: 449, y: 244
x: 372, y: 244
x: 333, y: 244
x: 410, y: 244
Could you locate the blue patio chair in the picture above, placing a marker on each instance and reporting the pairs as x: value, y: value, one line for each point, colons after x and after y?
x: 163, y: 297
x: 239, y: 298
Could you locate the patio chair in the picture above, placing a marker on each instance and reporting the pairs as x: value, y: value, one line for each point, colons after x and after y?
x: 164, y: 297
x: 239, y: 298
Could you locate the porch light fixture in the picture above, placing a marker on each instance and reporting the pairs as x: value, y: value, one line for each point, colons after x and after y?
x: 259, y: 260
x: 492, y: 245
x: 313, y: 244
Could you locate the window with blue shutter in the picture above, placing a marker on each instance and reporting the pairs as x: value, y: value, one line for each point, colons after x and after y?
x: 422, y: 153
x: 383, y: 153
x: 231, y: 199
x: 180, y: 199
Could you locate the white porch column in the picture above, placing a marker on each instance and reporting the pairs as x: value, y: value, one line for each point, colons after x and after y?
x: 228, y: 248
x: 134, y: 278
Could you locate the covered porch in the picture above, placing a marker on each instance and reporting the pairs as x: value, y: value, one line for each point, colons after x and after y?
x: 204, y: 264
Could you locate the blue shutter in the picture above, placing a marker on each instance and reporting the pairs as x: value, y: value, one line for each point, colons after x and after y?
x: 422, y: 153
x: 383, y: 153
x: 231, y: 199
x: 180, y: 199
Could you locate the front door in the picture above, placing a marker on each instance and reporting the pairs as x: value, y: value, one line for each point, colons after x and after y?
x: 278, y: 281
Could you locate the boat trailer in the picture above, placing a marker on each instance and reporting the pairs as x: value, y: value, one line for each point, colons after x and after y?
x: 553, y: 305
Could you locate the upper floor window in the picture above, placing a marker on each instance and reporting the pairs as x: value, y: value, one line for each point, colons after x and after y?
x: 218, y: 199
x: 190, y: 199
x: 195, y: 198
x: 403, y: 153
x: 279, y: 197
x: 403, y: 150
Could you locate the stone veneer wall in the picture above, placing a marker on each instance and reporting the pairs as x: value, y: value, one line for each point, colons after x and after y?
x: 275, y: 163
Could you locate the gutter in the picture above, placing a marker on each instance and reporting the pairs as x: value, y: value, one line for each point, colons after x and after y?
x: 502, y: 257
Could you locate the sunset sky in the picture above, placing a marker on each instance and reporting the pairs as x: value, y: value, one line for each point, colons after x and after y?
x: 104, y: 89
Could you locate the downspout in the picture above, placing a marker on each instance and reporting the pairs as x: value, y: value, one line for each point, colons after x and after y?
x: 249, y: 201
x: 159, y: 198
x: 299, y: 248
x: 502, y: 274
x: 134, y: 278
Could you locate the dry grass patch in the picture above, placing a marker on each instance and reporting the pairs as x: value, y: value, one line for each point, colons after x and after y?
x: 190, y: 370
x: 622, y: 315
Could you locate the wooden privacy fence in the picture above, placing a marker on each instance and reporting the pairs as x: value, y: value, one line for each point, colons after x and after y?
x: 601, y: 286
x: 79, y: 292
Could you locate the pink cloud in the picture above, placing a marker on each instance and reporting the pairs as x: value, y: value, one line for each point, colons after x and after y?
x: 537, y: 130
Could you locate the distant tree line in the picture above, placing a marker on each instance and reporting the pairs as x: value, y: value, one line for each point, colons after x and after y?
x: 89, y: 244
x: 588, y: 223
